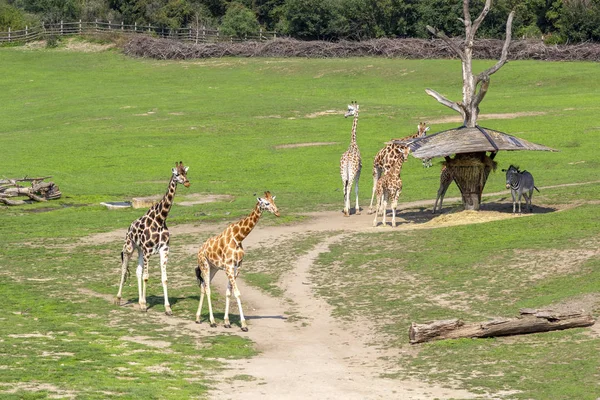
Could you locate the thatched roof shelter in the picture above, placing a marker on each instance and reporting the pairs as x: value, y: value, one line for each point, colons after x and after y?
x: 468, y: 140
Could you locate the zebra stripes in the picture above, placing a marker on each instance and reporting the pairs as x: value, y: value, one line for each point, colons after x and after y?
x: 521, y: 183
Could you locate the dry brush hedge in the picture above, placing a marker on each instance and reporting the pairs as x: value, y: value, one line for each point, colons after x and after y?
x: 168, y: 49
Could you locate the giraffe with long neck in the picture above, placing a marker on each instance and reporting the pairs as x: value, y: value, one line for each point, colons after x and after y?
x: 149, y: 235
x: 391, y: 154
x: 388, y: 189
x: 225, y: 252
x: 351, y: 163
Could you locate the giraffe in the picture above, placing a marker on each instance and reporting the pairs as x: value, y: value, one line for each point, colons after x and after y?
x: 389, y: 187
x: 391, y: 154
x: 149, y: 235
x: 225, y: 252
x: 446, y: 179
x: 350, y: 163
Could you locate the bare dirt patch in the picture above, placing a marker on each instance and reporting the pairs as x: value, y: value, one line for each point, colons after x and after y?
x: 199, y: 198
x: 458, y: 118
x: 86, y: 47
x: 295, y: 145
x: 322, y: 113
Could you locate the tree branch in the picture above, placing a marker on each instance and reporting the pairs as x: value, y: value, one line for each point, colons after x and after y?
x: 448, y: 103
x: 504, y: 54
x: 479, y: 19
x: 483, y: 88
x: 447, y: 40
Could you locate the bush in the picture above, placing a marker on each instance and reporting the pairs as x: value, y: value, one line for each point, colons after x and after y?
x: 239, y: 21
x: 11, y: 17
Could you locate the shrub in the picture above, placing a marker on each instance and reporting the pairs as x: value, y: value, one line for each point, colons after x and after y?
x: 239, y: 21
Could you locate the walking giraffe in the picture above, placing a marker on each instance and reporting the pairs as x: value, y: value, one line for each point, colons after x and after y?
x: 388, y: 189
x: 149, y: 235
x: 225, y: 252
x: 391, y: 154
x: 351, y: 163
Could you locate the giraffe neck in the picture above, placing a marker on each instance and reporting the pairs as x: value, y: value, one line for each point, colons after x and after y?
x: 245, y: 225
x: 163, y: 208
x: 354, y: 124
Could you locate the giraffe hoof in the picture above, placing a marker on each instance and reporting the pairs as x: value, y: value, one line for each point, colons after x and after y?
x: 143, y: 308
x: 213, y: 325
x: 244, y: 329
x: 117, y: 301
x: 168, y: 312
x: 197, y: 321
x: 227, y: 326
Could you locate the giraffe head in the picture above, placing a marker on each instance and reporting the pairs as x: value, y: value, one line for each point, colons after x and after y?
x: 180, y: 174
x: 405, y: 152
x: 422, y: 129
x: 352, y: 110
x: 268, y: 204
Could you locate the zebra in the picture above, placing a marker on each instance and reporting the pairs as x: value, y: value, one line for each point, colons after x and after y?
x: 520, y: 182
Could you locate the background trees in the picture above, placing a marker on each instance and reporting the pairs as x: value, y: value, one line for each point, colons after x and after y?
x: 555, y: 21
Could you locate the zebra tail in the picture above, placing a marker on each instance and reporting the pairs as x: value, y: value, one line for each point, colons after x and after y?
x: 538, y: 190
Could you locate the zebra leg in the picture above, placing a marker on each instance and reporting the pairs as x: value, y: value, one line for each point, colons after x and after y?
x: 514, y: 198
x: 530, y: 197
x: 520, y: 202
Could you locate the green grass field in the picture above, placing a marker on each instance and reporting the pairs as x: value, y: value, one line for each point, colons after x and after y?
x: 109, y: 128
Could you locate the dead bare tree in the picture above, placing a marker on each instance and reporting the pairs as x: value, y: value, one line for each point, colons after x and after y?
x: 475, y: 87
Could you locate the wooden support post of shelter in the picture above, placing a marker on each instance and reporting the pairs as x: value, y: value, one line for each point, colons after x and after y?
x: 471, y: 164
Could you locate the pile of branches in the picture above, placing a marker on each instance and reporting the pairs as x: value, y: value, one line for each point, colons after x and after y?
x: 38, y: 191
x: 168, y: 49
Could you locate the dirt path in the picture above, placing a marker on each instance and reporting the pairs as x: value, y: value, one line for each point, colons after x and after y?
x: 316, y: 356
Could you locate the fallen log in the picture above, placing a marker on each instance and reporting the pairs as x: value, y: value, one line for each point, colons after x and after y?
x: 39, y: 190
x: 530, y: 321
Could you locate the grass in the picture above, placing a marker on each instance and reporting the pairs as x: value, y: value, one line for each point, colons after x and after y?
x: 107, y: 128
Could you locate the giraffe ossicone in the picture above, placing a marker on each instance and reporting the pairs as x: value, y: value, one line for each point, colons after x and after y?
x: 149, y: 235
x: 225, y: 252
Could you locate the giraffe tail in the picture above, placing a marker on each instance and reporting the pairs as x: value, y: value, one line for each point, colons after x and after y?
x: 127, y: 266
x: 199, y: 276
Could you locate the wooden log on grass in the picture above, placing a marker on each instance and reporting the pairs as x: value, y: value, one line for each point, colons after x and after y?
x: 530, y: 321
x: 38, y: 191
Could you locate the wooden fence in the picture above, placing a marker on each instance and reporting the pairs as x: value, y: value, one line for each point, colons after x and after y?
x: 198, y: 34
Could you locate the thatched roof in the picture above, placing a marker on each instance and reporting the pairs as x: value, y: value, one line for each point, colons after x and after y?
x: 468, y: 140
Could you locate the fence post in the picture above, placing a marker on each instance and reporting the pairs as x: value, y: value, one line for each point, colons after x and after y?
x: 135, y: 26
x: 148, y: 28
x: 203, y: 33
x: 9, y: 33
x: 80, y: 27
x: 96, y: 25
x: 122, y: 25
x: 26, y: 29
x: 61, y: 27
x: 109, y: 25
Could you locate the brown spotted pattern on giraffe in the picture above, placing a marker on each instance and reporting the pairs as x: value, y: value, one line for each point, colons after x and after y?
x: 149, y: 235
x: 224, y: 251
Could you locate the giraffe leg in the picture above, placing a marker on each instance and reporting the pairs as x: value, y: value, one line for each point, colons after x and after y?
x: 384, y: 206
x: 394, y: 205
x: 125, y: 257
x: 236, y: 293
x: 346, y: 201
x: 226, y: 322
x: 145, y: 275
x: 357, y: 211
x: 376, y: 175
x: 164, y: 258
